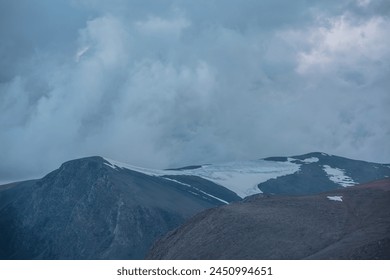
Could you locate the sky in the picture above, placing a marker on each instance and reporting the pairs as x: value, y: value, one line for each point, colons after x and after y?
x: 178, y: 82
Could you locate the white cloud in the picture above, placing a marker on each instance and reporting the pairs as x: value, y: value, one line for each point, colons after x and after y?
x: 346, y: 42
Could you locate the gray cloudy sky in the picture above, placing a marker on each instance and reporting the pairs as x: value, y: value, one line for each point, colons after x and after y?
x: 175, y: 82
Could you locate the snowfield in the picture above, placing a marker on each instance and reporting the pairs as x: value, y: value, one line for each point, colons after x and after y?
x: 240, y: 177
x: 338, y: 176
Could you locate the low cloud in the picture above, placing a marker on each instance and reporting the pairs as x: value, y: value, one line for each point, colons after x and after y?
x: 183, y: 83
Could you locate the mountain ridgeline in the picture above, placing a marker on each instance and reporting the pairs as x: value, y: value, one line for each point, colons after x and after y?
x: 97, y: 208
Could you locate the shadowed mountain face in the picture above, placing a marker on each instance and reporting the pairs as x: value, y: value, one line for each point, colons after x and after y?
x: 321, y: 172
x: 88, y: 210
x: 96, y: 208
x: 350, y: 223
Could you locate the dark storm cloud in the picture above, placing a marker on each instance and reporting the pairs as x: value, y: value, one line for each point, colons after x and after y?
x: 168, y: 83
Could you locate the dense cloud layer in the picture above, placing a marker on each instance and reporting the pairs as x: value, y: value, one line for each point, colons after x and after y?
x: 170, y: 83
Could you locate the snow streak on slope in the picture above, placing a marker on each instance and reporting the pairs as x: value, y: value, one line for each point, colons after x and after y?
x: 187, y: 185
x: 240, y: 177
x: 116, y: 164
x: 338, y: 176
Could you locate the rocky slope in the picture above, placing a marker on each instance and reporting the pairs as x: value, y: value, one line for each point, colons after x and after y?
x: 350, y: 223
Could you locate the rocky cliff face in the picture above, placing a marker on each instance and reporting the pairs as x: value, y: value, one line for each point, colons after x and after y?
x: 89, y: 210
x: 351, y: 223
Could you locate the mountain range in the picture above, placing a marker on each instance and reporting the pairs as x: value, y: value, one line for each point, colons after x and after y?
x: 98, y: 208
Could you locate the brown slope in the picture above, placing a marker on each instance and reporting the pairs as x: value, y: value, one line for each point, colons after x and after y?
x: 306, y: 227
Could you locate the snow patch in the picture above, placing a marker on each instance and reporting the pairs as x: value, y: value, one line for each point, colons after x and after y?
x: 338, y: 176
x: 242, y: 177
x: 239, y: 177
x: 306, y: 161
x: 310, y: 160
x: 336, y: 198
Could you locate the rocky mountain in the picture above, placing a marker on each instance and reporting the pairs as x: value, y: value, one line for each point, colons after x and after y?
x: 98, y: 208
x: 349, y: 223
x: 89, y: 210
x: 320, y: 172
